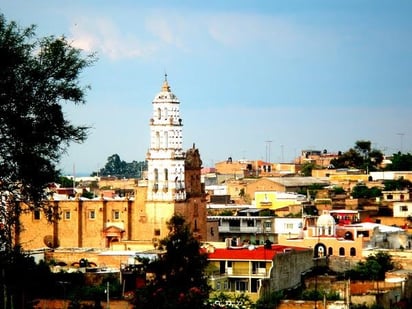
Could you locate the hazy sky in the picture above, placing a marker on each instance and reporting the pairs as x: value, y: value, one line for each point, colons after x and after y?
x: 301, y: 74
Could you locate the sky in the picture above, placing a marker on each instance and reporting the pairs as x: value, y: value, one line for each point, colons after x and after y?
x: 257, y: 80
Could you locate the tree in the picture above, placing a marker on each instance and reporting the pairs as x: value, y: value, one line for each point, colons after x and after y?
x: 306, y: 169
x: 178, y: 281
x: 37, y: 75
x: 401, y: 162
x: 397, y: 184
x: 361, y: 156
x: 362, y: 191
x: 374, y: 267
x: 119, y: 168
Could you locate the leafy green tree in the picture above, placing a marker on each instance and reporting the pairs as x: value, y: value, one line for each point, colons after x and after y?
x: 362, y: 191
x: 37, y: 75
x: 116, y: 167
x: 397, y: 184
x: 361, y: 156
x: 306, y: 169
x: 65, y: 182
x: 179, y: 280
x: 400, y: 162
x: 374, y: 267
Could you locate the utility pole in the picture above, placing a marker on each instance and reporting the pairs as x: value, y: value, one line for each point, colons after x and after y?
x: 108, y: 295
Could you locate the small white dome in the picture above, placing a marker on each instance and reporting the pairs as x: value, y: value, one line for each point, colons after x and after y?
x: 326, y: 220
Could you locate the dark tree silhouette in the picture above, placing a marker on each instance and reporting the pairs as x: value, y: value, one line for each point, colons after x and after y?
x: 179, y: 280
x: 36, y: 77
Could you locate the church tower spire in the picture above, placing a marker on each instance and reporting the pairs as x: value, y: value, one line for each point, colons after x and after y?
x: 166, y: 158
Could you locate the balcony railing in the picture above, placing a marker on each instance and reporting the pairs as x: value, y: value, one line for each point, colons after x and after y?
x: 245, y: 229
x: 246, y: 272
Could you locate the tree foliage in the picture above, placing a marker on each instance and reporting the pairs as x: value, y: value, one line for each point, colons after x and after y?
x: 373, y: 268
x: 400, y: 162
x: 179, y: 280
x: 361, y: 156
x: 397, y: 184
x: 362, y: 191
x: 116, y: 167
x: 37, y: 75
x: 226, y: 300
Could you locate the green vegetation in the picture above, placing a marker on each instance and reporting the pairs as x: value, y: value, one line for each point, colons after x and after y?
x: 374, y: 267
x: 306, y: 169
x: 269, y: 300
x: 229, y: 300
x: 361, y: 156
x: 400, y: 162
x: 398, y: 184
x: 178, y: 281
x: 116, y: 167
x: 362, y: 191
x: 37, y: 76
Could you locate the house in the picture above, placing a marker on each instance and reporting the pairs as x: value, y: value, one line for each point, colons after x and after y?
x: 254, y: 269
x: 341, y: 234
x: 248, y: 225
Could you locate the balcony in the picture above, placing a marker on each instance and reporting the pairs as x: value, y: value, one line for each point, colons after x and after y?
x: 245, y: 272
x: 245, y: 229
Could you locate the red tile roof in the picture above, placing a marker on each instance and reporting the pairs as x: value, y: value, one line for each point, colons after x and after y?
x: 254, y: 253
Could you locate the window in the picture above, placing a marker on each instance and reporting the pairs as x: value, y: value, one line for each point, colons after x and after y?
x: 67, y: 215
x: 116, y: 215
x: 92, y: 214
x: 157, y: 232
x: 389, y: 197
x: 404, y: 208
x: 36, y: 214
x: 289, y: 226
x: 330, y: 251
x: 352, y: 251
x: 341, y: 251
x: 218, y: 286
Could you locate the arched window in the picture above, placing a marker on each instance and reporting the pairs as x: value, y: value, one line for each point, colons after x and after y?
x: 166, y: 136
x: 156, y: 175
x: 166, y: 174
x: 157, y: 140
x: 159, y: 113
x: 352, y: 251
x: 165, y: 112
x: 341, y: 251
x: 330, y: 251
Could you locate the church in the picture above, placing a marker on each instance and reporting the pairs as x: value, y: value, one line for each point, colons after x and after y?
x: 173, y: 186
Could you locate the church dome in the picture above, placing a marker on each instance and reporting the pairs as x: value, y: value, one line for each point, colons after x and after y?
x: 326, y: 220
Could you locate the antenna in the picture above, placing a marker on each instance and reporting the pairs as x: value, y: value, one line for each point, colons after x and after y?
x: 401, y: 137
x: 268, y: 143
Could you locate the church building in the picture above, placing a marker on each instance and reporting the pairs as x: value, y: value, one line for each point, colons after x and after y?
x: 173, y: 186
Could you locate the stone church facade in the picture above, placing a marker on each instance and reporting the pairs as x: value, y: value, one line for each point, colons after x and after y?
x: 173, y: 186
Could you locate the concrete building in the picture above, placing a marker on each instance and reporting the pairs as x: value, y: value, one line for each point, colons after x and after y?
x: 340, y: 233
x: 257, y: 269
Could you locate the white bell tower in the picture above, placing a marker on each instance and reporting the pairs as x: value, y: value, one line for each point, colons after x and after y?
x: 166, y: 159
